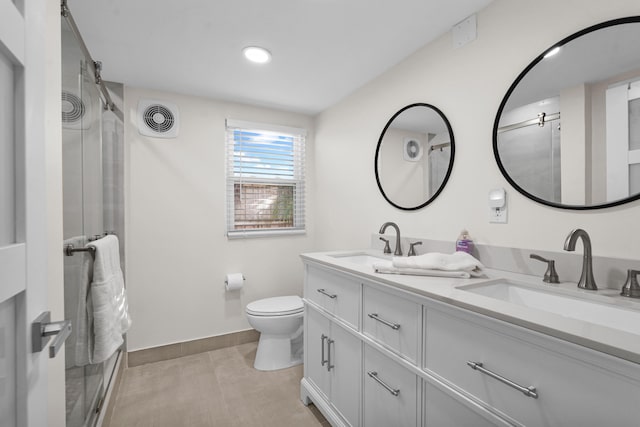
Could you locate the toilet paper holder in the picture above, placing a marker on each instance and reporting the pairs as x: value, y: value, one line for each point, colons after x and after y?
x: 234, y: 281
x: 226, y: 281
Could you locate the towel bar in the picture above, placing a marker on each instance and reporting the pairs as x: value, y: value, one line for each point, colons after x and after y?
x: 69, y: 250
x: 100, y: 236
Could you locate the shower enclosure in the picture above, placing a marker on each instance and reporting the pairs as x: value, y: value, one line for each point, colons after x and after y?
x: 92, y: 206
x: 529, y: 142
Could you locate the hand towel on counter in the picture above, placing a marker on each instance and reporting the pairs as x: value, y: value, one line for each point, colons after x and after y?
x: 386, y: 267
x: 109, y: 299
x: 77, y: 279
x: 458, y: 261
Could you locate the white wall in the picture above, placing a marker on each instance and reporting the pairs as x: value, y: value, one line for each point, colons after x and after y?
x: 177, y: 253
x: 467, y: 84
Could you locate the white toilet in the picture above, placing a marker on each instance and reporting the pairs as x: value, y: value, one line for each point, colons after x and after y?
x: 279, y: 321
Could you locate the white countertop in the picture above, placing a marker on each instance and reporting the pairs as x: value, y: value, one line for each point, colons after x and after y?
x: 619, y: 343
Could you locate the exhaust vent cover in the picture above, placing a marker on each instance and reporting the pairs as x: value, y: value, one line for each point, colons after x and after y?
x: 74, y: 111
x: 412, y: 150
x: 157, y: 119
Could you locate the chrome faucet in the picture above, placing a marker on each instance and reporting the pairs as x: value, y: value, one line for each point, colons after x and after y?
x: 398, y: 251
x: 586, y: 278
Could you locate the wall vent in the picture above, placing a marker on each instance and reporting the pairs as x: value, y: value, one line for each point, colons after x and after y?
x: 158, y: 119
x: 74, y: 112
x: 412, y: 150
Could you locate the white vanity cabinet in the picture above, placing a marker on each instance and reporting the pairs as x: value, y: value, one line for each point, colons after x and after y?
x: 380, y: 355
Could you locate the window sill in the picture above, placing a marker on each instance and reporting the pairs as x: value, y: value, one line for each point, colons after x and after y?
x: 250, y: 234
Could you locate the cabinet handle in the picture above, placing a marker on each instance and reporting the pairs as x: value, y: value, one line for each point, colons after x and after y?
x: 322, y: 339
x: 394, y: 326
x: 329, y: 365
x: 528, y: 391
x: 374, y: 375
x: 323, y: 292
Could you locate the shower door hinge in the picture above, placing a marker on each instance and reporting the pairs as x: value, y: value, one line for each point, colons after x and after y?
x: 99, y: 405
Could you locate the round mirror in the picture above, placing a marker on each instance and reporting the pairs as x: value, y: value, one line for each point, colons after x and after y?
x: 414, y: 156
x: 567, y: 133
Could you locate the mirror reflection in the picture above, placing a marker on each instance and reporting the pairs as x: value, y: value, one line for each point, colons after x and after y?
x: 567, y: 133
x: 414, y: 156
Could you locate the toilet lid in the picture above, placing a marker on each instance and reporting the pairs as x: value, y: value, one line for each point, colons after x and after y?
x: 276, y: 306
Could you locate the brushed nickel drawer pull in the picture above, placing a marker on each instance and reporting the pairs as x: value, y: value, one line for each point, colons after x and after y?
x: 527, y: 391
x: 375, y: 316
x: 374, y: 375
x: 323, y: 292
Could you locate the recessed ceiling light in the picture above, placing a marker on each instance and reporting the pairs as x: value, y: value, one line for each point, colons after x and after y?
x: 256, y: 54
x: 552, y: 52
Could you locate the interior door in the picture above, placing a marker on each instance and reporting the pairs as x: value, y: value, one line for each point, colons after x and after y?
x: 23, y: 216
x: 623, y: 141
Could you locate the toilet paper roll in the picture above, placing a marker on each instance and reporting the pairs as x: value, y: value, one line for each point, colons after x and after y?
x: 234, y: 281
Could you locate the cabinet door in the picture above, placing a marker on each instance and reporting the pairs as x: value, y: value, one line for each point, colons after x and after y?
x: 316, y: 334
x: 390, y: 392
x: 345, y: 356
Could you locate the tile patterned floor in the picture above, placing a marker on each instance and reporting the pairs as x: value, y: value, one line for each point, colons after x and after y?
x: 217, y: 388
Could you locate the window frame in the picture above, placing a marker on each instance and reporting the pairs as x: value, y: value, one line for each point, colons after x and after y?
x: 297, y: 181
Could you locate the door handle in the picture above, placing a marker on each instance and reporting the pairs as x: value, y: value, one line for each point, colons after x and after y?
x: 329, y: 365
x: 322, y: 340
x: 43, y: 328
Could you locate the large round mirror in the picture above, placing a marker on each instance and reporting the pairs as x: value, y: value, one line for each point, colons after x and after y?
x: 414, y: 156
x: 567, y: 133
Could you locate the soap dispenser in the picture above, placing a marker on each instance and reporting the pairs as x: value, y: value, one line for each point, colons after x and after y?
x: 631, y: 288
x: 464, y: 242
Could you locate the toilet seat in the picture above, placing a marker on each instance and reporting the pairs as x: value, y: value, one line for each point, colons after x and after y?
x: 276, y: 306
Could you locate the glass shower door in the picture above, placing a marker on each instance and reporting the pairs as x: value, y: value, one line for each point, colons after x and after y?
x: 83, y: 218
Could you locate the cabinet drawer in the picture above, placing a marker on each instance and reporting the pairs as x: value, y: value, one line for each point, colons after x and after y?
x: 336, y: 293
x: 571, y: 391
x: 443, y: 410
x: 393, y: 321
x: 390, y: 392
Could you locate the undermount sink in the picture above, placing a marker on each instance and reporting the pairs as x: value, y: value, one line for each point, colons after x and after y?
x: 593, y: 309
x: 361, y: 258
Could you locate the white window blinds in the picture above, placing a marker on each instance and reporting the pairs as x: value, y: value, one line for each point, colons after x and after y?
x: 265, y: 179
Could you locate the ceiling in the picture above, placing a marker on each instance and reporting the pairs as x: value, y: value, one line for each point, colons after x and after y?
x: 323, y: 50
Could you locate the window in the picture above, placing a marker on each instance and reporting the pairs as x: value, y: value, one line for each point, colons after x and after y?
x: 265, y: 179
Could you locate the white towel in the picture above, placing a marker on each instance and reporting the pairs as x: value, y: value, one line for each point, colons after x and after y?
x: 77, y: 279
x: 458, y: 261
x: 386, y: 267
x: 108, y: 296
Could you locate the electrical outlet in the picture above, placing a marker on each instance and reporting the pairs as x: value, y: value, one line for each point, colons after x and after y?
x: 498, y: 215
